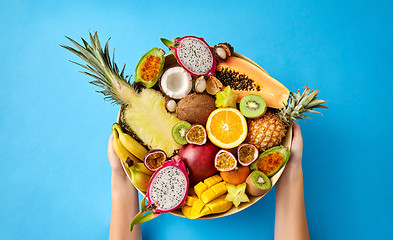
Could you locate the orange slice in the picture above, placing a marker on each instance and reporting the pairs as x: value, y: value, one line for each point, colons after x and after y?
x: 226, y: 127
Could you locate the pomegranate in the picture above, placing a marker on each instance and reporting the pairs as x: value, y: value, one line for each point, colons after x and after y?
x: 199, y: 161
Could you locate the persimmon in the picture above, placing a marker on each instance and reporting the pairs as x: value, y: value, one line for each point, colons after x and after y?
x: 236, y: 176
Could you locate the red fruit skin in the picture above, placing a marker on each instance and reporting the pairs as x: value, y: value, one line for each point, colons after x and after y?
x: 199, y: 161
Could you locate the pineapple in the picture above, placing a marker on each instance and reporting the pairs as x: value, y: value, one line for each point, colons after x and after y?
x: 145, y: 111
x: 267, y: 131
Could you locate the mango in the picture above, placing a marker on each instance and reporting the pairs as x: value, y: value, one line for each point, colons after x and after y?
x: 213, y: 180
x: 190, y: 200
x: 200, y: 188
x: 209, y: 199
x: 214, y: 192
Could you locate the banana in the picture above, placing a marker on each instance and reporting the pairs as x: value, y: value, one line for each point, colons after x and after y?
x: 140, y: 167
x: 140, y: 180
x: 130, y: 143
x: 120, y: 150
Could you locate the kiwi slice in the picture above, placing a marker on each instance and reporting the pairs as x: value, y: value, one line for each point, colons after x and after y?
x: 179, y: 131
x: 252, y: 106
x: 258, y: 183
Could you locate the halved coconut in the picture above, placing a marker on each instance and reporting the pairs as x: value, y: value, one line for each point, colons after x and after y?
x: 176, y: 83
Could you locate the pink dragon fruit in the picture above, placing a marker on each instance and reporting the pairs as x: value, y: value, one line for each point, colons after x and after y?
x: 167, y: 190
x: 193, y: 54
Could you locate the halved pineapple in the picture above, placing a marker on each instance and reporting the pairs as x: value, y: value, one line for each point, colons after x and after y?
x: 145, y: 111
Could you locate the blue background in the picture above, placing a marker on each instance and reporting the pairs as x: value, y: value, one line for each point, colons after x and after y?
x: 55, y: 176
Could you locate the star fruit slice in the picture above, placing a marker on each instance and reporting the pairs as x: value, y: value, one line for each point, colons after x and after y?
x: 236, y: 194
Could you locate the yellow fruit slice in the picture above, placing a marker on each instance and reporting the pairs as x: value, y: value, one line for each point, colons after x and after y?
x: 226, y: 127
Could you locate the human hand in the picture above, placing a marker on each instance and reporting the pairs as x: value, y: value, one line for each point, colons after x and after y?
x: 114, y: 160
x: 295, y: 159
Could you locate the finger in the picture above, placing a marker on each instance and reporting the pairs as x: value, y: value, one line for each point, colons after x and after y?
x: 297, y: 143
x: 296, y: 134
x: 111, y: 152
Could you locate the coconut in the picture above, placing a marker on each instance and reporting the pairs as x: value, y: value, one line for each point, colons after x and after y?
x: 195, y: 108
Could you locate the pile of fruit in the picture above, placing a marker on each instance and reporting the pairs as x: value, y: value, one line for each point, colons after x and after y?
x: 200, y: 129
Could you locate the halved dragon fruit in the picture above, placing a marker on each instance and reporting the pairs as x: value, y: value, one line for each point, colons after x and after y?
x: 167, y: 190
x: 194, y: 55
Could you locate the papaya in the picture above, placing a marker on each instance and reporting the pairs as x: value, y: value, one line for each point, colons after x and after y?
x: 246, y: 78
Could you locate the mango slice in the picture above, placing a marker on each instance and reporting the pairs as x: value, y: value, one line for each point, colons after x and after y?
x: 214, y: 192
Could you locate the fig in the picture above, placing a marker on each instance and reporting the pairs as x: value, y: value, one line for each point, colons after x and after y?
x: 225, y: 161
x: 196, y: 135
x: 154, y: 159
x: 199, y: 161
x: 247, y: 154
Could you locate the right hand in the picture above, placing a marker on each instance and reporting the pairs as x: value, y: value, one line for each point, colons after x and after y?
x: 295, y: 159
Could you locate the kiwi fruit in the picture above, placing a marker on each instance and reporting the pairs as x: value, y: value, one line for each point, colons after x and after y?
x: 179, y: 131
x: 252, y: 106
x: 257, y: 183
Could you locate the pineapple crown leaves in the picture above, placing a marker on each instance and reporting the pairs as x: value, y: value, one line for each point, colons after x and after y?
x: 100, y: 67
x: 300, y: 104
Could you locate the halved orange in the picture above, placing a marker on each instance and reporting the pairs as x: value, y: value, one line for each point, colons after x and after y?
x: 226, y: 127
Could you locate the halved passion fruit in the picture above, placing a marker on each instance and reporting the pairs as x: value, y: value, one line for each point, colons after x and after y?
x: 247, y: 154
x: 272, y: 160
x: 196, y: 134
x: 225, y: 161
x: 154, y: 159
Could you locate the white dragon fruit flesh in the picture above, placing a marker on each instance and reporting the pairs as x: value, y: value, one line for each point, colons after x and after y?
x: 167, y: 190
x: 194, y: 55
x: 168, y: 186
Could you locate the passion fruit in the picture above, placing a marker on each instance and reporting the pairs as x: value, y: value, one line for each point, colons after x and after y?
x: 196, y: 134
x: 225, y: 161
x: 154, y: 159
x: 247, y: 154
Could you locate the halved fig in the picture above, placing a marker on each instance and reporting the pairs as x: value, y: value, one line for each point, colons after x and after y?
x: 247, y: 154
x: 154, y: 159
x: 225, y: 161
x: 196, y: 135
